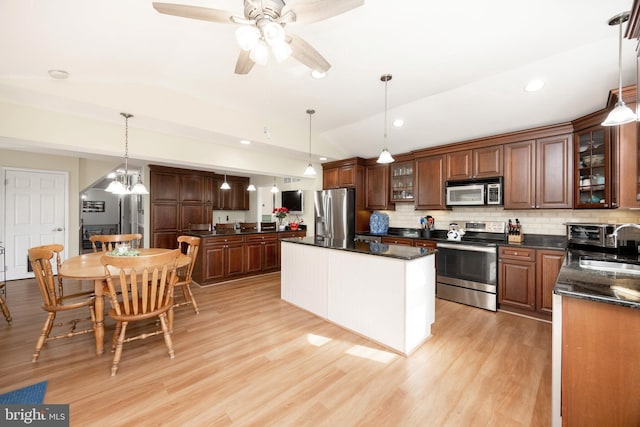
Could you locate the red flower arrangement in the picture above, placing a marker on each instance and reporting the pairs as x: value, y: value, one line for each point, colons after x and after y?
x: 280, y: 212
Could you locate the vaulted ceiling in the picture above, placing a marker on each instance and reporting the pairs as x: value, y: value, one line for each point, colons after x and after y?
x: 459, y: 68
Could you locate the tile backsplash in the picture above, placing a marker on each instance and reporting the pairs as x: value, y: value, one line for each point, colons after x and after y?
x: 534, y: 221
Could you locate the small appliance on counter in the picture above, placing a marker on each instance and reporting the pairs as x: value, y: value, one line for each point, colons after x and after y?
x: 379, y: 223
x: 455, y: 233
x: 600, y: 238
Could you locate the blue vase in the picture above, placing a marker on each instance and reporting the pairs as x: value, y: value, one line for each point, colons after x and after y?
x: 379, y: 223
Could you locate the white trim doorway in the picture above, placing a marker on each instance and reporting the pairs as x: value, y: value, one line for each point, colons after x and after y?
x: 35, y: 212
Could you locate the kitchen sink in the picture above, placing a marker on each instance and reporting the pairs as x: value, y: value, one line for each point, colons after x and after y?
x: 615, y: 266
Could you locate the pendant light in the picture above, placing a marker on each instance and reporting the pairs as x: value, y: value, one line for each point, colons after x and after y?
x: 310, y: 171
x: 122, y: 183
x: 274, y: 189
x: 385, y: 156
x: 251, y: 187
x: 621, y: 114
x: 225, y: 185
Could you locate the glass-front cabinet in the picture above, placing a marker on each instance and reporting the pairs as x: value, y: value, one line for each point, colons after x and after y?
x: 593, y: 154
x: 402, y: 181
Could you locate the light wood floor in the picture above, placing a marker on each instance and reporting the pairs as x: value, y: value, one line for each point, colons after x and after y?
x: 250, y: 359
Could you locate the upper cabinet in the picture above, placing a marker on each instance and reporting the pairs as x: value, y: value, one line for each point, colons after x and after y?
x: 538, y: 174
x: 341, y: 174
x: 377, y: 186
x: 477, y: 163
x: 430, y: 178
x: 402, y: 179
x: 350, y: 173
x: 593, y: 187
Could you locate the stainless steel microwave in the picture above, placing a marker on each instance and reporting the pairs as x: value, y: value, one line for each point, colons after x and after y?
x: 476, y: 192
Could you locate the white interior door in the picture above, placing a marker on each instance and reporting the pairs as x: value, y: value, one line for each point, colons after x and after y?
x: 35, y: 208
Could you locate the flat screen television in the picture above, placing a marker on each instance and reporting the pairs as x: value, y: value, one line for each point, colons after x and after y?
x: 294, y: 201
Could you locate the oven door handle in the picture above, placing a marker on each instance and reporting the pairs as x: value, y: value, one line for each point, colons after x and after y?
x: 487, y: 249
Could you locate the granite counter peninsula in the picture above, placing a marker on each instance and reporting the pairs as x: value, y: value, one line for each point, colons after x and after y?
x: 383, y: 292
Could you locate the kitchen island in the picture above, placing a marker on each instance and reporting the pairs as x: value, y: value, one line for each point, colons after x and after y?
x: 383, y: 292
x: 596, y: 342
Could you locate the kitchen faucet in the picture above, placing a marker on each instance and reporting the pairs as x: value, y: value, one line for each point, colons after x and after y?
x: 620, y: 227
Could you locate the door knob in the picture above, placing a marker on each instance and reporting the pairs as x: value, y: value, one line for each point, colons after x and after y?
x: 58, y: 229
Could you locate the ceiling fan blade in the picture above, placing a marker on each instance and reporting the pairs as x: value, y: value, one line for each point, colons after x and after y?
x: 317, y: 10
x: 194, y: 12
x: 305, y: 53
x: 244, y: 63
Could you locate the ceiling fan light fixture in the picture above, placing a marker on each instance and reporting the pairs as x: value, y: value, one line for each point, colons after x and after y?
x: 318, y: 74
x: 273, y: 33
x: 260, y: 53
x: 281, y: 51
x: 247, y: 37
x: 621, y: 114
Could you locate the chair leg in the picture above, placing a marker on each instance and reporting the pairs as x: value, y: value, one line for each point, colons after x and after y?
x: 116, y: 335
x: 118, y: 352
x: 170, y: 319
x: 191, y: 299
x: 167, y: 334
x: 5, y: 310
x: 44, y: 334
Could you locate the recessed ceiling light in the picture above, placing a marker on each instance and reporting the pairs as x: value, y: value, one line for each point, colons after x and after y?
x: 58, y: 74
x: 534, y: 85
x: 318, y: 74
x: 398, y: 123
x: 245, y: 142
x: 323, y: 158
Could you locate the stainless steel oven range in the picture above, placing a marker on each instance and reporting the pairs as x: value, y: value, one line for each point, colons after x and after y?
x: 467, y: 271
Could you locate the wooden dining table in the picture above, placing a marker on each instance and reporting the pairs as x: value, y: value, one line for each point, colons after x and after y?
x: 89, y: 267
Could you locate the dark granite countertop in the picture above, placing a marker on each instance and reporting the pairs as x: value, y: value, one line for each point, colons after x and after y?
x: 368, y: 248
x: 597, y: 285
x: 234, y: 232
x: 536, y: 241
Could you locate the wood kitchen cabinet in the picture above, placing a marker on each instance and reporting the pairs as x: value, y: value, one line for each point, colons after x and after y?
x: 220, y: 258
x: 430, y: 178
x: 342, y: 174
x: 430, y: 244
x: 180, y: 197
x: 478, y: 163
x: 526, y: 279
x: 402, y: 181
x: 538, y: 173
x: 377, y: 186
x: 397, y: 240
x: 261, y: 252
x: 600, y: 374
x: 349, y: 173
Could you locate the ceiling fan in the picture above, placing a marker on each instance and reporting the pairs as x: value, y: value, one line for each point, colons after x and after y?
x: 262, y: 28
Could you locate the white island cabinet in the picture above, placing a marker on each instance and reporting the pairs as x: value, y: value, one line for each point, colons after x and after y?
x: 383, y: 292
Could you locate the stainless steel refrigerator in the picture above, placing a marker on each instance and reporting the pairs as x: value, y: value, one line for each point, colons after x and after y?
x: 335, y: 214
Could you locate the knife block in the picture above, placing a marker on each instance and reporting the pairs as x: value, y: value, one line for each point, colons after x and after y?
x: 516, y: 238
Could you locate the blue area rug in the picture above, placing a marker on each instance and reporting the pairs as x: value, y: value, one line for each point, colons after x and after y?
x: 29, y: 395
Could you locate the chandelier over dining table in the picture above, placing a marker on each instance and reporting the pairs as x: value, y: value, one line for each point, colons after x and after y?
x: 123, y: 183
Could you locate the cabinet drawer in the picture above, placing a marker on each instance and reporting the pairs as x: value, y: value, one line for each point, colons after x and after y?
x: 522, y: 254
x: 431, y: 244
x: 261, y: 237
x: 397, y: 241
x: 223, y: 240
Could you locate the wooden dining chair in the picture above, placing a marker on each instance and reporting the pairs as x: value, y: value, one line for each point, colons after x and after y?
x: 199, y: 227
x: 267, y: 226
x: 53, y: 302
x: 248, y: 226
x: 4, y: 307
x: 221, y: 226
x: 108, y: 242
x: 145, y: 285
x: 189, y: 246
